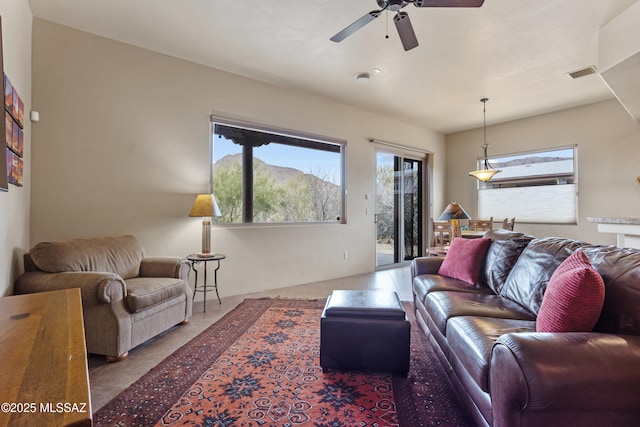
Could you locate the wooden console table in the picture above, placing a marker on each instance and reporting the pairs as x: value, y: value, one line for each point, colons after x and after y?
x: 44, y: 379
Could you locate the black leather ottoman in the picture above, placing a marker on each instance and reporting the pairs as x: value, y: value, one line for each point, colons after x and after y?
x: 365, y: 330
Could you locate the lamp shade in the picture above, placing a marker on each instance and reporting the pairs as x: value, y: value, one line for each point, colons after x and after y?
x: 453, y: 211
x: 484, y: 175
x: 205, y: 205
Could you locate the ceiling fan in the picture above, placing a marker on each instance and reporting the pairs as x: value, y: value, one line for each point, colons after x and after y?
x: 401, y: 19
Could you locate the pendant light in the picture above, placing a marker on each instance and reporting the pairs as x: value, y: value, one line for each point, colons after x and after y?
x: 488, y: 172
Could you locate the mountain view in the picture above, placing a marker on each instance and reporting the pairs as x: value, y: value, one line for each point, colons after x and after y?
x: 280, y: 193
x: 528, y: 161
x: 536, y: 168
x: 280, y: 174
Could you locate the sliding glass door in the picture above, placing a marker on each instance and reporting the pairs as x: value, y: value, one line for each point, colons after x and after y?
x: 399, y: 208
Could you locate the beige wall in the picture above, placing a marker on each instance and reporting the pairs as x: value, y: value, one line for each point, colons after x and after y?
x: 14, y: 204
x: 123, y: 143
x: 122, y: 147
x: 608, y: 141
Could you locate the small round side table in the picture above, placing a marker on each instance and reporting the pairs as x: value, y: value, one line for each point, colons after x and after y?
x: 202, y: 258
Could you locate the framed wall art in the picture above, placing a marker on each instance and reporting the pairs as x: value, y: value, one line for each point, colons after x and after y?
x: 4, y: 177
x: 14, y: 134
x: 15, y: 166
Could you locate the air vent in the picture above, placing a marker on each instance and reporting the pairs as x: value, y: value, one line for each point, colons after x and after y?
x: 583, y: 72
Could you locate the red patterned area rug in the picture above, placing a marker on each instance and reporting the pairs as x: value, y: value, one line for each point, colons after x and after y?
x: 259, y: 366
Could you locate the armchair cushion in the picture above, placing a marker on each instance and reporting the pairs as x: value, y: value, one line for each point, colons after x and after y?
x: 144, y: 292
x: 114, y: 254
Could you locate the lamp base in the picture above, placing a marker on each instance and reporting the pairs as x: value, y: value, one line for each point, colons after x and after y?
x: 455, y: 224
x: 206, y: 237
x: 205, y: 255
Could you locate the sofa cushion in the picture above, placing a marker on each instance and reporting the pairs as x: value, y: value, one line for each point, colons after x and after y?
x: 112, y: 254
x: 426, y: 283
x: 574, y: 297
x: 504, y: 250
x: 530, y: 275
x: 472, y: 338
x: 144, y: 292
x: 464, y: 259
x: 620, y: 269
x: 442, y: 306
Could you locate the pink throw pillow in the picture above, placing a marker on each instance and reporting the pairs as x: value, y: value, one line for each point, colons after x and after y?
x: 464, y: 259
x: 574, y: 297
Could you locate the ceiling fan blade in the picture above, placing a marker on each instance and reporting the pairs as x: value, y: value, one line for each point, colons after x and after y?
x: 356, y: 26
x: 405, y: 31
x: 448, y: 3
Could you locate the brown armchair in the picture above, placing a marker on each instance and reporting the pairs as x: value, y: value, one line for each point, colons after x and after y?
x: 127, y: 298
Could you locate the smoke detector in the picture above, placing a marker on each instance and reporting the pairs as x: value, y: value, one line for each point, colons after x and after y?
x: 362, y: 77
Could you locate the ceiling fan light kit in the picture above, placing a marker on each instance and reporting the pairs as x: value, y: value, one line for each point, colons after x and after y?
x: 401, y: 19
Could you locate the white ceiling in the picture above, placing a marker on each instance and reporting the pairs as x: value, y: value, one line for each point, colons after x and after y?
x: 515, y: 52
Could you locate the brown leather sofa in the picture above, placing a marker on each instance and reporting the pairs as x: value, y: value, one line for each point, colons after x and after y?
x: 510, y: 375
x: 127, y: 297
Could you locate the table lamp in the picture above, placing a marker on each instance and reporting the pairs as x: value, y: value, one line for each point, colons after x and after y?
x: 454, y: 213
x: 206, y: 207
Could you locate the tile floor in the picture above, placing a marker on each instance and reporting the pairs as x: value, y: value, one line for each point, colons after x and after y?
x: 109, y: 379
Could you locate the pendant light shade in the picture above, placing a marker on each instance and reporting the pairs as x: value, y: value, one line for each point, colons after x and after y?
x: 484, y: 175
x: 487, y: 172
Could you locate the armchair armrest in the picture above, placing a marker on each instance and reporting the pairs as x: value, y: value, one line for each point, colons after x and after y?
x: 175, y: 267
x: 95, y: 287
x: 425, y: 265
x: 587, y: 378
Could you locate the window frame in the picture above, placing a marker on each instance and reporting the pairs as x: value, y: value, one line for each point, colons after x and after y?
x: 288, y: 134
x: 538, y: 180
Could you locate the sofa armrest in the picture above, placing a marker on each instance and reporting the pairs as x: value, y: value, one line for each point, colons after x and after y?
x: 584, y: 378
x: 425, y: 265
x: 95, y: 287
x: 178, y: 268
